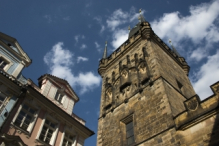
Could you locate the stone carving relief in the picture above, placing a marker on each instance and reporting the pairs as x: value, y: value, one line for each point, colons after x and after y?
x: 142, y: 68
x: 192, y: 104
x: 124, y: 73
x: 125, y: 80
x: 109, y: 94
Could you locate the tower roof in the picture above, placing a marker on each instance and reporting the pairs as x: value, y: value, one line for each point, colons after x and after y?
x: 137, y: 26
x: 105, y: 51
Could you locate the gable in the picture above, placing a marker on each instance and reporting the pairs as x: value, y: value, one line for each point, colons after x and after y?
x: 60, y: 83
x: 14, y: 48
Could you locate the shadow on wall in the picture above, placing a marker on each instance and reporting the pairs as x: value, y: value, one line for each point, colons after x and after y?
x: 213, y: 137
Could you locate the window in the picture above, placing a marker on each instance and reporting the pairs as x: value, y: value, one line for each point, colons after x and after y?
x: 128, y: 128
x: 3, y: 63
x: 130, y: 133
x: 25, y: 117
x: 179, y: 86
x: 59, y: 97
x: 2, y: 99
x: 47, y: 131
x: 68, y: 140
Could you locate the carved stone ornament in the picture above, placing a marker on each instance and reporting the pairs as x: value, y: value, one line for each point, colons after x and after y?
x: 142, y: 67
x: 124, y: 73
x: 109, y: 94
x: 192, y: 104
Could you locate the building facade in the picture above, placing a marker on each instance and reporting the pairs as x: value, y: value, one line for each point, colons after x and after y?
x: 39, y: 114
x: 147, y: 98
x: 12, y: 61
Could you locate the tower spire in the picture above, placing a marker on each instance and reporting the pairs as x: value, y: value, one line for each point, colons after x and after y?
x: 105, y: 51
x: 141, y: 17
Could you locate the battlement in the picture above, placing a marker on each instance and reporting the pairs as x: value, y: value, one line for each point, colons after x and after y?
x: 144, y: 32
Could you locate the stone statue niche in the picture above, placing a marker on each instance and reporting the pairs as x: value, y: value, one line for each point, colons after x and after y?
x: 108, y: 94
x: 124, y: 78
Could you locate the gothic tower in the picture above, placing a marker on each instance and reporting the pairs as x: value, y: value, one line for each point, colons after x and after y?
x: 144, y: 88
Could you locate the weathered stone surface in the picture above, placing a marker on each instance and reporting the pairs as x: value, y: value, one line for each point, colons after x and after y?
x: 145, y: 80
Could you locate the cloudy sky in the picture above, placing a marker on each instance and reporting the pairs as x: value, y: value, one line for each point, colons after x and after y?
x: 67, y: 38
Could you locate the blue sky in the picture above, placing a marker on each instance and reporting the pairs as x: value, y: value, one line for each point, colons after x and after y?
x: 67, y: 38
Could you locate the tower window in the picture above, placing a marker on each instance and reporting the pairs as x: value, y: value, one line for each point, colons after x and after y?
x: 3, y: 63
x: 128, y: 128
x: 179, y: 86
x: 130, y: 133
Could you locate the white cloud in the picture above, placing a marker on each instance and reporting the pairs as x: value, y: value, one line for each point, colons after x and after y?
x: 88, y: 81
x: 60, y: 63
x: 83, y: 46
x: 120, y: 17
x: 116, y: 20
x: 198, y: 27
x: 80, y: 58
x: 197, y: 30
x: 99, y: 21
x: 77, y: 37
x: 102, y: 29
x: 119, y: 37
x: 206, y: 76
x: 48, y: 18
x: 97, y: 45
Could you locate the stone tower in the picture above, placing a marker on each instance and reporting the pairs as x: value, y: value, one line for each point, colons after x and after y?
x: 145, y: 87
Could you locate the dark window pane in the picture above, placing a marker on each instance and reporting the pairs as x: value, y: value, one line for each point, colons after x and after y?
x: 20, y: 117
x: 2, y: 97
x: 28, y: 117
x: 130, y: 140
x: 47, y: 122
x: 41, y: 137
x: 25, y: 107
x: 129, y: 126
x: 22, y: 113
x: 71, y: 137
x: 17, y: 122
x: 52, y: 125
x: 31, y: 111
x: 49, y: 135
x: 47, y: 140
x: 129, y: 133
x: 50, y: 131
x: 27, y: 122
x: 44, y: 128
x: 43, y: 132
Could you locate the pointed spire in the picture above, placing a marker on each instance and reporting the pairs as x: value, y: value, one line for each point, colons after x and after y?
x: 141, y: 17
x: 173, y: 48
x: 105, y: 51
